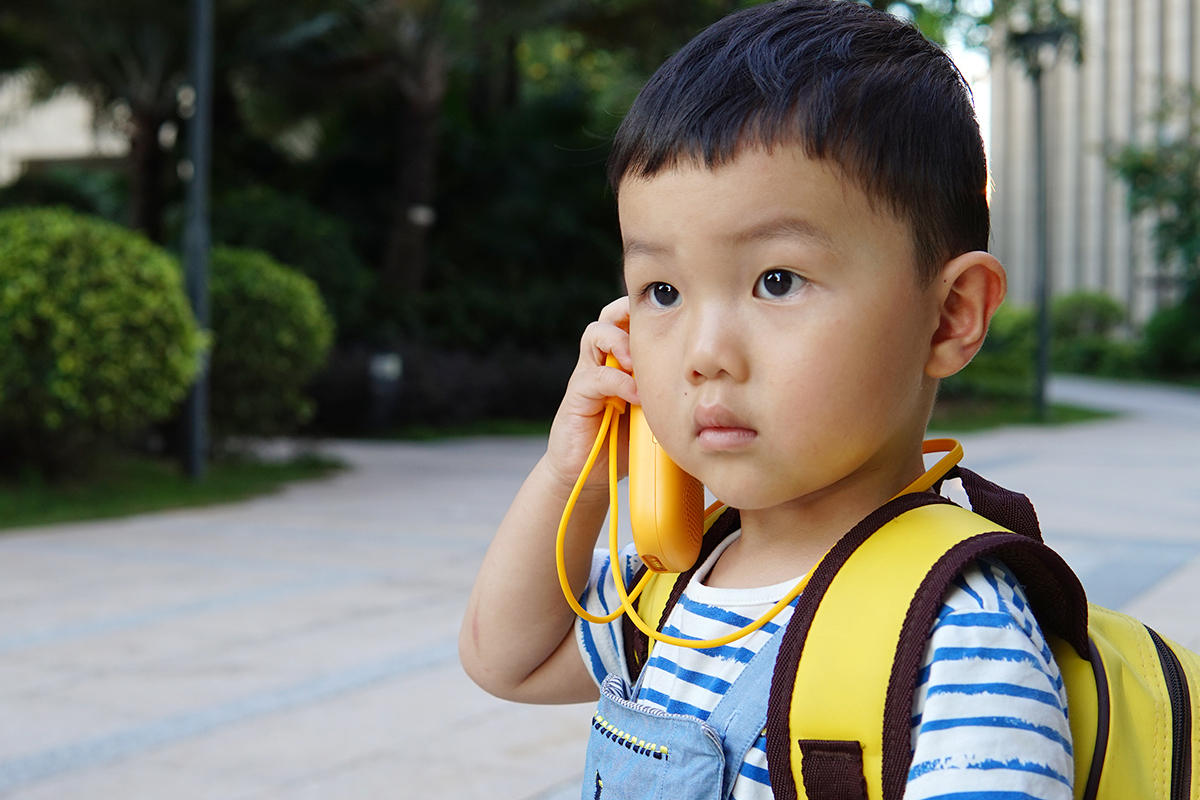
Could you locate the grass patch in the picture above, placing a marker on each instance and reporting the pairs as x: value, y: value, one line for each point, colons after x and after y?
x: 128, y: 484
x: 963, y: 416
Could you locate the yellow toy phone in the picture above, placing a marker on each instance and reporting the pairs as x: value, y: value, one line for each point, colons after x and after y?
x: 666, y: 504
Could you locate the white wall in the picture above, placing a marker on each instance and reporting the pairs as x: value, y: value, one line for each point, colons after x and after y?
x: 61, y: 127
x: 1133, y: 50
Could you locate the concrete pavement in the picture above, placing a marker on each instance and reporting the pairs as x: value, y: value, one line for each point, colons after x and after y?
x: 303, y: 645
x: 1119, y: 498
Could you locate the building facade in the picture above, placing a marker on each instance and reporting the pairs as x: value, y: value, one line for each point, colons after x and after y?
x: 1135, y: 54
x: 60, y: 129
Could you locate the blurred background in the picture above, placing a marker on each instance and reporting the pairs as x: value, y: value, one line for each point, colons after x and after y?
x: 410, y: 224
x: 400, y: 235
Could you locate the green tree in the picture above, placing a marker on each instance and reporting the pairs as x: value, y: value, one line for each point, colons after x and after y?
x: 1163, y: 177
x: 130, y: 53
x: 130, y: 59
x: 1164, y: 183
x: 400, y: 59
x: 653, y: 30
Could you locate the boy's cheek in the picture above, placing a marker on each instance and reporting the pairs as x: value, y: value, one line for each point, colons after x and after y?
x: 641, y: 350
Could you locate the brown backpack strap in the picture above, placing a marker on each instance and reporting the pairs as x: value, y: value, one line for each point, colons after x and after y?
x: 1054, y: 592
x: 1006, y: 508
x: 637, y: 644
x: 834, y: 771
x: 783, y: 680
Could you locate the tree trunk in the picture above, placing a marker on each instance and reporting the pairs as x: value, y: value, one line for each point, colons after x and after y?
x: 405, y: 255
x: 406, y: 252
x: 145, y: 176
x: 494, y: 84
x: 512, y: 74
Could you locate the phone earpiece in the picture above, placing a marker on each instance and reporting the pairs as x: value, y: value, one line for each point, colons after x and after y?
x: 666, y: 504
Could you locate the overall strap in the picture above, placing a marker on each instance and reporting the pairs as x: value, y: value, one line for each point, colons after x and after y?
x: 863, y: 637
x: 741, y: 712
x: 664, y: 590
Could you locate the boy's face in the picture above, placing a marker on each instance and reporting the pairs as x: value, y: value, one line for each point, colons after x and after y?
x: 778, y: 329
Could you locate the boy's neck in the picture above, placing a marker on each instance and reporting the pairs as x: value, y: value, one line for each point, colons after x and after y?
x: 787, y: 541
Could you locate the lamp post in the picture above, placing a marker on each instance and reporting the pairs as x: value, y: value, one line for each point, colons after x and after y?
x: 1036, y: 47
x: 1041, y: 238
x: 196, y: 234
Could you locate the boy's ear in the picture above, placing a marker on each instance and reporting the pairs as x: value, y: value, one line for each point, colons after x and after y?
x: 968, y: 288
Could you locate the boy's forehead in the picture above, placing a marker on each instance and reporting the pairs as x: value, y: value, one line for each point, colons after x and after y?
x: 774, y: 160
x: 773, y: 187
x: 781, y: 226
x: 758, y: 196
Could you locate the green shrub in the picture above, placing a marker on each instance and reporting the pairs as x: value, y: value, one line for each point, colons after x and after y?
x: 1085, y: 314
x: 294, y: 233
x: 1084, y: 328
x: 1171, y: 339
x: 1004, y: 366
x: 89, y: 190
x: 271, y: 333
x: 96, y: 335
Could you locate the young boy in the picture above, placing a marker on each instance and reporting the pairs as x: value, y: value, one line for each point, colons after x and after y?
x: 801, y: 193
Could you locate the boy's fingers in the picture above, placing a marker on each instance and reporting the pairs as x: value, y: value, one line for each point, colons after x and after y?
x: 617, y: 313
x: 603, y: 382
x: 601, y: 338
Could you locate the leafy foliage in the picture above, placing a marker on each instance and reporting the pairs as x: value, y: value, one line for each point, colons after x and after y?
x: 96, y: 336
x: 95, y: 192
x: 1085, y: 328
x: 130, y: 54
x: 271, y: 333
x: 1171, y: 345
x: 535, y: 253
x: 1164, y: 181
x: 295, y: 233
x: 1083, y: 314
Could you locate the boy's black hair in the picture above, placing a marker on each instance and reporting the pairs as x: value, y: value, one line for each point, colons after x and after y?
x: 845, y: 82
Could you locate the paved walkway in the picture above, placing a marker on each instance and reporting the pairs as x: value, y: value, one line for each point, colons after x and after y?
x: 303, y: 645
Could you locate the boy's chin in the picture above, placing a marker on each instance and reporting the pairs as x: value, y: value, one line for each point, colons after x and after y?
x: 745, y: 497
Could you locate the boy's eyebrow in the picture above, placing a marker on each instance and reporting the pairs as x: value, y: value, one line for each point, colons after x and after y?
x: 774, y: 228
x: 784, y: 228
x: 638, y: 247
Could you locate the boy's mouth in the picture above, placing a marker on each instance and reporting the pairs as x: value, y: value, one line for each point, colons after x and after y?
x: 718, y: 428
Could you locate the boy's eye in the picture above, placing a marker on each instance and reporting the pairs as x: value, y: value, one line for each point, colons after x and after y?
x: 663, y: 295
x: 777, y: 283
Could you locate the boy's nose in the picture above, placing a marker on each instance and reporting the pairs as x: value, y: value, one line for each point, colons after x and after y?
x: 713, y: 349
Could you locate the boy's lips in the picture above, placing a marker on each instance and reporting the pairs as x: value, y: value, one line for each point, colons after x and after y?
x: 718, y: 428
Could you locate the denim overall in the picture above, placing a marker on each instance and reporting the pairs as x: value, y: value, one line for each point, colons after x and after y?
x: 639, y: 753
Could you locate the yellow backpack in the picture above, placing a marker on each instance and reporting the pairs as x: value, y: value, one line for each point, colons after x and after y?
x: 838, y: 723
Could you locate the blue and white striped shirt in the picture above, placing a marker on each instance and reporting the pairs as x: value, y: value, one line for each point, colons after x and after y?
x: 990, y: 709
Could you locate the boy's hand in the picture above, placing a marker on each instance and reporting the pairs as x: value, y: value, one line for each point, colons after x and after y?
x: 517, y: 640
x: 592, y: 383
